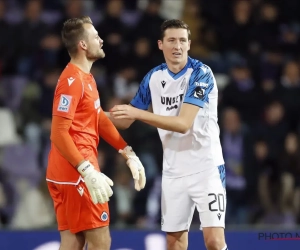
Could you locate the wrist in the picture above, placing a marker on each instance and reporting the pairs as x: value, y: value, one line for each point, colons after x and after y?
x: 139, y: 114
x: 82, y: 161
x: 85, y: 168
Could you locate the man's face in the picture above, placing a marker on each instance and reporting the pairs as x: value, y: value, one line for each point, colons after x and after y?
x: 94, y: 43
x: 175, y: 45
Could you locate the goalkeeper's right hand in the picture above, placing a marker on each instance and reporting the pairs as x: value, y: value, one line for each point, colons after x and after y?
x: 98, y: 184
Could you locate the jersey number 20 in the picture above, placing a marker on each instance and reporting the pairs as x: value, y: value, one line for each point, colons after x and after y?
x: 217, y: 207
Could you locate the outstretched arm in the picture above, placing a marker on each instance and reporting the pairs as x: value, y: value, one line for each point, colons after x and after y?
x: 201, y: 84
x: 120, y: 124
x: 181, y: 123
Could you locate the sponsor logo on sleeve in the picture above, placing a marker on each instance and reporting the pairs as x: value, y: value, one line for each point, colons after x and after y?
x: 201, y: 84
x: 64, y: 103
x: 199, y: 92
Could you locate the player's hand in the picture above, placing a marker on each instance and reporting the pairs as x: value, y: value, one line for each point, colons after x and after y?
x: 98, y: 184
x: 124, y: 112
x: 135, y: 166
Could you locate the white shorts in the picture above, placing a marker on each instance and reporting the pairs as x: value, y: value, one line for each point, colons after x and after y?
x: 180, y: 196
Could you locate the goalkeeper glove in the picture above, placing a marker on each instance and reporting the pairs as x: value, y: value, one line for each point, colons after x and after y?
x: 136, y: 167
x: 98, y: 184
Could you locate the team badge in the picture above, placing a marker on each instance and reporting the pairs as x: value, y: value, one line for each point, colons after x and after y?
x: 104, y: 216
x: 182, y: 85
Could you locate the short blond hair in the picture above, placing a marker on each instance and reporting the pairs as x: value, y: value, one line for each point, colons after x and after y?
x: 73, y: 31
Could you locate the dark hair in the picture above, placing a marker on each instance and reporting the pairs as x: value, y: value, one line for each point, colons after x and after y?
x: 73, y: 31
x: 173, y: 24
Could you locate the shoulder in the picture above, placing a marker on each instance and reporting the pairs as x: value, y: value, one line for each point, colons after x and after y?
x: 194, y: 63
x: 199, y: 67
x: 201, y: 72
x: 70, y: 77
x: 158, y: 68
x: 153, y: 71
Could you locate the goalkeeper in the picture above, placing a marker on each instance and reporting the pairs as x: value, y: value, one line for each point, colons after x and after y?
x: 79, y: 190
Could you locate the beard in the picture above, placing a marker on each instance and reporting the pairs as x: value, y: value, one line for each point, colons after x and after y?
x: 95, y: 55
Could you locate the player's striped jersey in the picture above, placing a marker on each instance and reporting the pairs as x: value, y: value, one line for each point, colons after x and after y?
x: 199, y: 148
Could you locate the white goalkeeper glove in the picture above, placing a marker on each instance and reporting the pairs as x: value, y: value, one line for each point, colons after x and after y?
x: 136, y: 167
x: 98, y: 184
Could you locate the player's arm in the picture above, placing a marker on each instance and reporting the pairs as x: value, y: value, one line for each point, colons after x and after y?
x: 181, y: 123
x: 68, y: 94
x: 120, y: 124
x: 141, y: 100
x: 200, y: 85
x: 110, y: 134
x: 62, y: 140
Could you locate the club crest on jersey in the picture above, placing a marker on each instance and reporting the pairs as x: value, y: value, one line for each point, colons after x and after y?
x: 199, y: 92
x: 64, y: 103
x: 182, y: 85
x: 104, y: 216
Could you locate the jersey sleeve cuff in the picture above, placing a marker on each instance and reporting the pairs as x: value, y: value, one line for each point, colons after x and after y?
x: 194, y: 101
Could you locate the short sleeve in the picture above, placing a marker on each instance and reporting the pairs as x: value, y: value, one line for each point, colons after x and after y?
x: 201, y: 83
x: 142, y: 98
x: 67, y: 95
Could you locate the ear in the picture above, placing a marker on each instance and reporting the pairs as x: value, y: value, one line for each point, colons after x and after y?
x: 82, y: 45
x: 160, y: 44
x: 189, y: 45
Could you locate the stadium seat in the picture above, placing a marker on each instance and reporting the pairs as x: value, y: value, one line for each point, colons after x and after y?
x: 20, y: 161
x: 8, y: 128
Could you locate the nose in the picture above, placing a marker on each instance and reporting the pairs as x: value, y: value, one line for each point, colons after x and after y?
x: 177, y: 45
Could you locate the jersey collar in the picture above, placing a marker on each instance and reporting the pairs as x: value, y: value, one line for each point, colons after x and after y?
x: 175, y: 76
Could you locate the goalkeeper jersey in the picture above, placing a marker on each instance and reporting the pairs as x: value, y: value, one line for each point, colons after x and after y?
x: 199, y: 148
x: 76, y: 98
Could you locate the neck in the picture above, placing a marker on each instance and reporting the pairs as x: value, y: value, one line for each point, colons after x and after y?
x: 83, y: 63
x: 175, y: 68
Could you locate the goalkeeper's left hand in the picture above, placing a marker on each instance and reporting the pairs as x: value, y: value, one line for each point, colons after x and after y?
x: 136, y: 167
